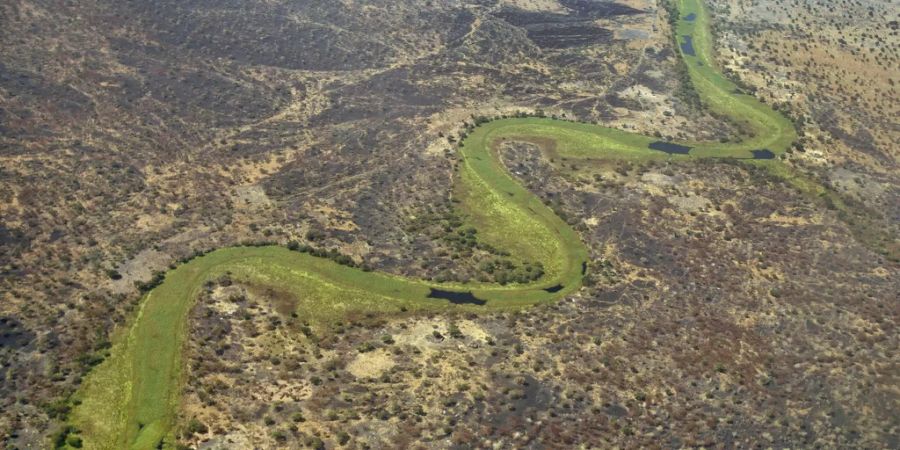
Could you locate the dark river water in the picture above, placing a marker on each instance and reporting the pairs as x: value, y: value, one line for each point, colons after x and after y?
x: 457, y: 298
x: 556, y: 288
x: 688, y: 45
x: 670, y: 148
x: 676, y: 149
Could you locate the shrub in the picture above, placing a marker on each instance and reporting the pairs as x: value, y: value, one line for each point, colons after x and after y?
x: 61, y: 437
x: 366, y: 347
x: 315, y: 235
x: 58, y: 410
x: 74, y: 442
x: 157, y: 279
x: 315, y: 443
x: 197, y: 427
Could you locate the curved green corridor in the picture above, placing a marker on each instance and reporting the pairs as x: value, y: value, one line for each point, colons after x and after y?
x: 131, y: 399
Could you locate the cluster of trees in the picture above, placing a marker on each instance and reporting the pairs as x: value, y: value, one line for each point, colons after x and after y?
x: 67, y: 436
x: 685, y: 90
x: 147, y: 286
x: 469, y: 127
x: 504, y: 271
x: 332, y: 254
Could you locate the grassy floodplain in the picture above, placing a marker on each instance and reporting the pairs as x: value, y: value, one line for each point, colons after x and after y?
x: 766, y: 128
x: 131, y: 399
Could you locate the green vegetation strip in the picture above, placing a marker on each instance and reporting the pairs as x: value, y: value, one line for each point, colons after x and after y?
x: 131, y: 399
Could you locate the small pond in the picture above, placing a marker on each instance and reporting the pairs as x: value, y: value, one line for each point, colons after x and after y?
x: 455, y: 297
x: 763, y: 154
x: 670, y: 148
x: 687, y: 47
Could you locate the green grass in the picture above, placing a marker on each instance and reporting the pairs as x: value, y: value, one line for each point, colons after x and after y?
x: 767, y: 128
x: 131, y: 399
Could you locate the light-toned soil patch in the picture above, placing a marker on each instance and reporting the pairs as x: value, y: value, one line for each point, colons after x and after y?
x: 371, y: 364
x: 140, y: 268
x: 254, y: 196
x: 536, y: 5
x: 691, y: 203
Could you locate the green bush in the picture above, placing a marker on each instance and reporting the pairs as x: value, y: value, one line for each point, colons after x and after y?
x: 197, y: 427
x: 366, y: 347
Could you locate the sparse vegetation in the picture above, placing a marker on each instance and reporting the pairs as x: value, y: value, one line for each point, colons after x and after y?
x: 139, y: 137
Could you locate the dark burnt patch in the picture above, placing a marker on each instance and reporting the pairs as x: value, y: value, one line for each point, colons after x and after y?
x: 525, y: 395
x: 262, y: 36
x: 230, y: 100
x: 580, y: 12
x: 32, y: 87
x: 29, y: 98
x: 575, y: 29
x: 568, y: 36
x: 13, y: 334
x: 522, y: 18
x: 859, y: 139
x: 595, y: 10
x: 12, y: 242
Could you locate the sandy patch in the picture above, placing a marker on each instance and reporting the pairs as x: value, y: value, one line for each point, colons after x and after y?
x: 472, y: 330
x: 420, y: 334
x: 223, y: 305
x: 692, y: 203
x: 157, y: 221
x: 657, y: 179
x: 253, y: 195
x: 779, y: 219
x: 536, y: 5
x: 140, y: 268
x: 333, y: 217
x: 371, y: 364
